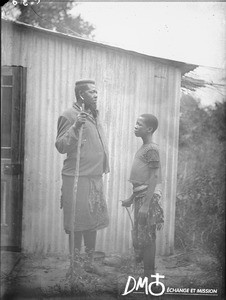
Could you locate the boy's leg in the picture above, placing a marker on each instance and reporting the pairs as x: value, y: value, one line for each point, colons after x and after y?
x: 149, y: 260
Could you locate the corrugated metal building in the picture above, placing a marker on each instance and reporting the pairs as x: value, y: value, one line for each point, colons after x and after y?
x: 128, y: 84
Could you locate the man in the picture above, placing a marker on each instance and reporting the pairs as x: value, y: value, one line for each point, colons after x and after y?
x: 90, y: 205
x: 145, y: 177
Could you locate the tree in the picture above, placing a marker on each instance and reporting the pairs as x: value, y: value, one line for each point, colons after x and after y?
x: 49, y: 15
x: 200, y: 205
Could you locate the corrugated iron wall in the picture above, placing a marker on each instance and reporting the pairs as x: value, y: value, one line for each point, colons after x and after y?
x: 128, y: 85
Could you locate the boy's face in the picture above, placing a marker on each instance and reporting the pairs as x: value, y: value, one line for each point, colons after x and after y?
x: 141, y: 129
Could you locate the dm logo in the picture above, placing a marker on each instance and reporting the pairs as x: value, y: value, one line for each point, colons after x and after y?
x: 143, y: 283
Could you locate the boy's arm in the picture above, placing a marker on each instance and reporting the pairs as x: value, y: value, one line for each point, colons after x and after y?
x: 153, y: 161
x: 143, y: 211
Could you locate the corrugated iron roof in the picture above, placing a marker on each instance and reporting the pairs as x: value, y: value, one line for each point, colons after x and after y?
x: 184, y: 67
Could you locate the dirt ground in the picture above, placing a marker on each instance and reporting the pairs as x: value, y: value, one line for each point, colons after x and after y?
x: 44, y: 277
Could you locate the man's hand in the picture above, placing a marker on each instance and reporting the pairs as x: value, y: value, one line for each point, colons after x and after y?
x: 159, y: 226
x: 81, y: 119
x: 142, y: 214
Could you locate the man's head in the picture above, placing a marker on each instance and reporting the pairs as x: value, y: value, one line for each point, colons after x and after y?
x: 85, y: 92
x: 146, y: 124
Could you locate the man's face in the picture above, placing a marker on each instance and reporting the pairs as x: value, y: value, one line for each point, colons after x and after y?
x: 90, y: 96
x: 141, y: 129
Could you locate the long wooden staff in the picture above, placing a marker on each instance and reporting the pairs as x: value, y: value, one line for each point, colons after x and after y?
x: 75, y: 188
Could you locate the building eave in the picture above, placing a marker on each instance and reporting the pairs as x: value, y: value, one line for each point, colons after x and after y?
x: 184, y: 67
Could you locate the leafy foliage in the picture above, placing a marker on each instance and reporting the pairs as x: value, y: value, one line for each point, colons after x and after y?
x: 200, y: 208
x: 50, y: 15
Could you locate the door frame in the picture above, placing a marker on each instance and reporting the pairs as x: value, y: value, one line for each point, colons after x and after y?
x: 21, y: 84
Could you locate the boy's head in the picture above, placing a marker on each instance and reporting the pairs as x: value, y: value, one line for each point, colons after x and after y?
x: 146, y: 125
x: 151, y: 121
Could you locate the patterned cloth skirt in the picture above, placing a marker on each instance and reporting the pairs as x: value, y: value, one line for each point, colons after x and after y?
x: 90, y: 209
x: 145, y: 235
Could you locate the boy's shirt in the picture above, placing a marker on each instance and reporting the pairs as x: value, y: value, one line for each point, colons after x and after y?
x: 145, y: 162
x: 146, y: 159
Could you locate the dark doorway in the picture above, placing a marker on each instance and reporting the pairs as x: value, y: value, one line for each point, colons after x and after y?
x: 13, y: 83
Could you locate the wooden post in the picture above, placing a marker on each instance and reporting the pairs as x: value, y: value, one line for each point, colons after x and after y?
x: 75, y: 188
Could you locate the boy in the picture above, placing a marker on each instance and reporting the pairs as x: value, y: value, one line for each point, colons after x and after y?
x: 146, y: 180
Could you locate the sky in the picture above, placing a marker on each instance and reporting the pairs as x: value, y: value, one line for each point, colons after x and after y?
x: 192, y: 32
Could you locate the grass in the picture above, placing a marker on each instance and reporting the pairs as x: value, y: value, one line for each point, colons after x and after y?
x: 83, y: 285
